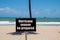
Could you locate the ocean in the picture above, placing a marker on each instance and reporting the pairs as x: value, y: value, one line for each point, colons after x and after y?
x: 39, y: 21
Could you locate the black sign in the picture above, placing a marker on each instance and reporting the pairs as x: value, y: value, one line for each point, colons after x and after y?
x: 25, y: 24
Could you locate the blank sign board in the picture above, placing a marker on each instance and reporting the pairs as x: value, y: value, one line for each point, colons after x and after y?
x: 25, y: 24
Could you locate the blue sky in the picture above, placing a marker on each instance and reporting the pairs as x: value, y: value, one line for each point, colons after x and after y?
x: 40, y: 8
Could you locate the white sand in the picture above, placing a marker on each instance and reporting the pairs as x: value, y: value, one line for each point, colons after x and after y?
x: 43, y: 33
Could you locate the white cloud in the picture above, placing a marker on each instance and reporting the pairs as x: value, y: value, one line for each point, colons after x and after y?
x: 46, y: 12
x: 9, y: 10
x: 50, y: 11
x: 35, y: 12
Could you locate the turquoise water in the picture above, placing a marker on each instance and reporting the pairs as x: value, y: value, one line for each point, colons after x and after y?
x: 7, y: 19
x: 11, y: 21
x: 48, y: 19
x: 37, y: 19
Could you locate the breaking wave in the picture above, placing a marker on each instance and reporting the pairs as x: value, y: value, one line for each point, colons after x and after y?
x: 9, y: 22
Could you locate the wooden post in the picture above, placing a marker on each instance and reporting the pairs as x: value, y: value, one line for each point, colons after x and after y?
x: 25, y: 35
x: 30, y: 8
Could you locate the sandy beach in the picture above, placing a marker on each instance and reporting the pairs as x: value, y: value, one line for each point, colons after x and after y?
x: 42, y: 33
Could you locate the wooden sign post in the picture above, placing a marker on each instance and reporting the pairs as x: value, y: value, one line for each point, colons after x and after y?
x: 26, y: 24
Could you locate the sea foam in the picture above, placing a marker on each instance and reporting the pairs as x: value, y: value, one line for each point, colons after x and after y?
x: 6, y: 22
x: 9, y: 22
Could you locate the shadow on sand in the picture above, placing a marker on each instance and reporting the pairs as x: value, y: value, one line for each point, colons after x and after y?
x: 20, y: 33
x: 15, y: 33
